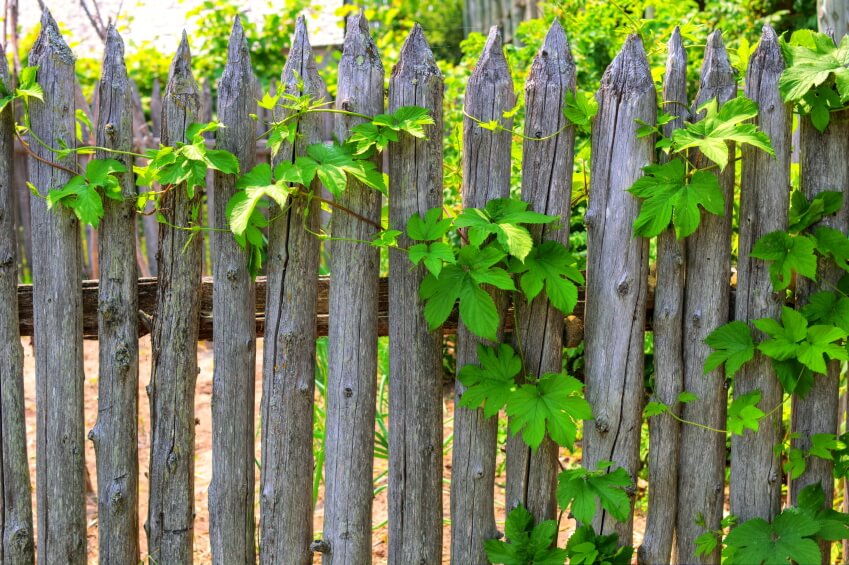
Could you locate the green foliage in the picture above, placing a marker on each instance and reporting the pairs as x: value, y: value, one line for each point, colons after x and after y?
x: 491, y: 384
x: 732, y: 344
x: 504, y: 218
x: 580, y: 108
x: 585, y: 547
x: 816, y: 78
x: 793, y: 338
x: 549, y: 265
x: 375, y: 135
x: 585, y: 490
x: 744, y: 413
x: 84, y: 193
x: 789, y: 254
x: 527, y: 544
x: 804, y: 214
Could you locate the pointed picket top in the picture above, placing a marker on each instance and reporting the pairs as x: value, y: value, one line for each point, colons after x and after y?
x: 416, y: 58
x: 359, y: 44
x: 4, y: 69
x: 675, y: 82
x: 50, y: 41
x: 767, y: 55
x: 717, y: 74
x: 675, y: 52
x: 629, y: 72
x: 238, y: 53
x: 301, y: 65
x: 553, y: 62
x: 492, y: 65
x: 180, y: 77
x: 238, y: 74
x: 114, y: 68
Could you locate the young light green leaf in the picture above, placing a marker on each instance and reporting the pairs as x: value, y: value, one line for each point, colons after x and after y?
x: 549, y: 265
x: 554, y: 404
x: 804, y: 214
x: 430, y: 228
x: 489, y: 385
x: 526, y: 544
x: 732, y: 344
x: 788, y: 254
x: 744, y: 413
x: 585, y: 489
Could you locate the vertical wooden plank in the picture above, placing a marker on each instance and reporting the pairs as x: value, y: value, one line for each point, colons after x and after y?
x: 755, y: 488
x: 547, y: 186
x: 57, y: 310
x: 115, y: 435
x: 833, y: 17
x: 415, y: 354
x: 170, y: 522
x: 231, y: 492
x: 486, y: 175
x: 286, y: 506
x: 16, y: 532
x: 156, y: 108
x: 352, y: 349
x: 705, y: 308
x: 617, y: 271
x: 668, y: 326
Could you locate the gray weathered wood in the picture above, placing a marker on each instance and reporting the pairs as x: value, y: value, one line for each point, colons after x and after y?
x: 547, y: 186
x: 833, y: 17
x: 156, y: 108
x: 617, y: 271
x: 664, y: 430
x: 231, y: 491
x: 286, y: 506
x: 486, y: 175
x: 170, y: 522
x: 755, y: 489
x: 16, y: 531
x: 415, y: 354
x: 706, y: 308
x: 352, y: 349
x: 115, y: 435
x: 57, y: 276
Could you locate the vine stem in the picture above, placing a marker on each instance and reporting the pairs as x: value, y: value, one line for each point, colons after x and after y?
x: 37, y: 157
x: 499, y: 127
x: 345, y: 209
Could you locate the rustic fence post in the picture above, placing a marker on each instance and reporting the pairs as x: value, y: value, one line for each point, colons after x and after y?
x: 352, y: 346
x: 174, y: 342
x: 115, y: 435
x: 286, y: 505
x: 16, y: 526
x: 706, y: 297
x: 755, y: 489
x: 415, y: 354
x: 486, y: 176
x: 617, y: 271
x: 668, y: 325
x: 547, y: 186
x: 231, y: 491
x: 57, y: 310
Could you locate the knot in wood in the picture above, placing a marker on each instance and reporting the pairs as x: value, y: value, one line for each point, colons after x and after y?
x: 172, y: 461
x: 349, y: 392
x: 109, y: 129
x: 122, y: 356
x: 624, y: 287
x: 602, y: 425
x: 232, y: 273
x: 319, y: 546
x: 7, y: 261
x: 696, y: 318
x: 347, y: 106
x: 117, y: 499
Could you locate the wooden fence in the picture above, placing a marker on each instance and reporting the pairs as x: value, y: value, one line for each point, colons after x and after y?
x: 291, y: 306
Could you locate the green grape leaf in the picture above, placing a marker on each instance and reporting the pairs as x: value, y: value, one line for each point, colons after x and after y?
x: 549, y: 265
x: 744, y: 413
x: 711, y: 134
x: 554, y: 404
x: 669, y: 197
x: 434, y: 255
x: 822, y: 446
x: 789, y: 537
x: 833, y: 243
x: 580, y: 108
x: 81, y: 197
x: 586, y: 548
x: 706, y: 543
x: 788, y: 254
x: 585, y: 489
x: 828, y: 308
x: 526, y: 543
x: 794, y: 377
x: 654, y: 408
x: 376, y: 135
x: 502, y: 217
x: 810, y: 345
x: 333, y: 163
x: 385, y: 238
x: 430, y: 228
x: 686, y: 397
x: 795, y: 464
x: 804, y: 214
x: 732, y: 344
x: 491, y: 383
x: 252, y: 187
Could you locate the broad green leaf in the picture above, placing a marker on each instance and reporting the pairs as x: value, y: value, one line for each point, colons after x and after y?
x: 784, y: 338
x: 788, y: 254
x: 833, y: 243
x: 554, y: 404
x: 654, y: 408
x: 789, y: 537
x: 584, y: 490
x: 490, y: 384
x: 580, y: 107
x: 434, y: 255
x: 804, y: 214
x: 586, y: 548
x: 732, y: 344
x: 526, y: 543
x: 549, y: 265
x: 430, y: 228
x: 502, y: 217
x: 81, y: 197
x: 744, y: 413
x: 827, y: 307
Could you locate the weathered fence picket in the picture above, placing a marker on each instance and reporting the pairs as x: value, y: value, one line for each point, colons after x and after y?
x: 231, y: 491
x: 547, y: 186
x: 57, y: 312
x: 352, y: 345
x: 16, y: 543
x: 755, y: 486
x: 415, y: 371
x: 486, y: 175
x: 617, y: 282
x: 286, y: 505
x: 170, y: 522
x: 115, y: 434
x: 668, y: 327
x: 706, y: 296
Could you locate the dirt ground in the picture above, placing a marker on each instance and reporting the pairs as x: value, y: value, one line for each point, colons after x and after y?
x: 203, y: 461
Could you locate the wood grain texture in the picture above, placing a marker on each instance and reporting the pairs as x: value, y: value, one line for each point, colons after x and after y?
x: 486, y: 175
x: 170, y: 522
x: 617, y: 271
x: 231, y: 492
x: 706, y: 308
x: 547, y: 186
x: 352, y: 345
x: 57, y: 300
x: 16, y: 543
x: 286, y: 506
x: 115, y: 434
x: 833, y: 17
x: 668, y: 326
x: 415, y: 354
x: 755, y: 488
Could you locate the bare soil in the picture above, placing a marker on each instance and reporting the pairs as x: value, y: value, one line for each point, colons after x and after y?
x: 203, y: 454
